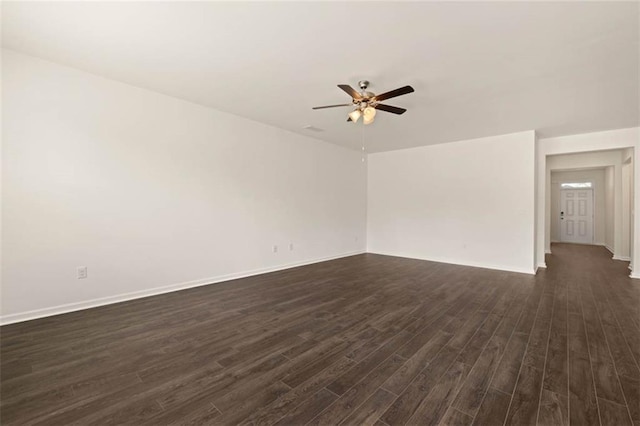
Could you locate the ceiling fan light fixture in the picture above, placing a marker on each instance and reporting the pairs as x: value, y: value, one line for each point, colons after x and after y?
x: 367, y: 103
x: 369, y: 111
x: 355, y: 115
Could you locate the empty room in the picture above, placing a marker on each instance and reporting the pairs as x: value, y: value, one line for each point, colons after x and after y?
x: 320, y: 213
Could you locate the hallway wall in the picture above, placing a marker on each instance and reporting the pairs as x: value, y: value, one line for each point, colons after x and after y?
x: 609, y: 213
x: 627, y: 201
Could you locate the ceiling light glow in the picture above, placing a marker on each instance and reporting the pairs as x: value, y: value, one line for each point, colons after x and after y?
x: 369, y: 112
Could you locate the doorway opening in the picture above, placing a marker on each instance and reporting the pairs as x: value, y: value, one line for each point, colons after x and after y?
x: 591, y: 200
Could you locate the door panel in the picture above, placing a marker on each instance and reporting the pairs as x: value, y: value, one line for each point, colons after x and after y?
x: 576, y: 216
x: 569, y: 227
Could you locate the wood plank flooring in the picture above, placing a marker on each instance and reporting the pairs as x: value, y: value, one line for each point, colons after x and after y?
x: 368, y: 339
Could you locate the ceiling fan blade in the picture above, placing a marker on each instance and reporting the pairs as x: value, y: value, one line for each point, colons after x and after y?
x: 350, y: 91
x: 389, y: 108
x: 331, y: 106
x: 392, y: 94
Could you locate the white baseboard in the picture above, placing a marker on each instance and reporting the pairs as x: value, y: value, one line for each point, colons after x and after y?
x: 623, y: 258
x: 614, y: 257
x: 542, y: 265
x: 529, y: 271
x: 94, y: 303
x: 634, y: 276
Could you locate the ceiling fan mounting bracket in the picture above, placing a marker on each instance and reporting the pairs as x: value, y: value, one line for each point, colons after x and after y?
x: 364, y: 84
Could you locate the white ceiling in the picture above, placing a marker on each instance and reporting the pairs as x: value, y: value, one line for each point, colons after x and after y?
x: 479, y: 69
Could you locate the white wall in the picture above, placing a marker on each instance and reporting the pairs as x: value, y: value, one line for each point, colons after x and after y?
x: 627, y: 201
x: 468, y: 202
x: 610, y: 208
x: 153, y: 193
x: 596, y: 177
x: 588, y: 142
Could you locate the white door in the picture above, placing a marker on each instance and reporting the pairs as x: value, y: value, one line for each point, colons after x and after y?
x: 576, y: 216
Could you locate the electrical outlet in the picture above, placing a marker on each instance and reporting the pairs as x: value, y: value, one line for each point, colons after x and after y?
x: 275, y: 249
x: 290, y: 246
x: 82, y: 272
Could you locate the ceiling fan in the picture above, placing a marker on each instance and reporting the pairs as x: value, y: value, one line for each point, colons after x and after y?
x: 366, y: 103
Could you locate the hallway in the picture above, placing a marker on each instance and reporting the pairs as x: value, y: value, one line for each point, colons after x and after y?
x: 597, y: 304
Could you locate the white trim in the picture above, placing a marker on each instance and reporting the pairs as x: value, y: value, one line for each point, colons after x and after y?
x: 542, y: 265
x: 634, y: 276
x: 623, y: 258
x: 457, y: 262
x: 94, y: 303
x: 608, y: 248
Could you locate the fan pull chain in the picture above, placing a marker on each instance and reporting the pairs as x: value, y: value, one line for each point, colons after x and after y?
x: 363, y: 151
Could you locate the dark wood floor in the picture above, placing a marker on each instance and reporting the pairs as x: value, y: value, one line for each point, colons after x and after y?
x: 362, y: 340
